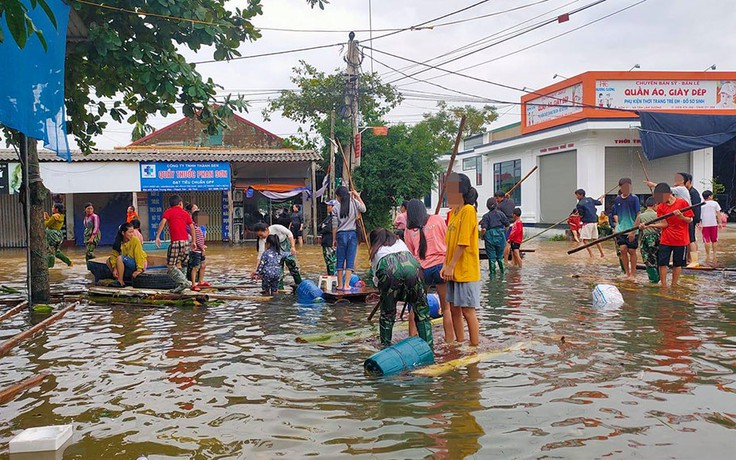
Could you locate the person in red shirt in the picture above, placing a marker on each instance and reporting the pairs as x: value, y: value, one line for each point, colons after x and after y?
x: 516, y: 236
x: 575, y: 222
x: 178, y: 254
x: 675, y: 236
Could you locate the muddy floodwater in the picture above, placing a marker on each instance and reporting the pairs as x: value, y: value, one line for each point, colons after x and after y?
x: 651, y: 379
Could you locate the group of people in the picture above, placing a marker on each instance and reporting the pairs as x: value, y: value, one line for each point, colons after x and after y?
x: 54, y: 223
x: 660, y: 241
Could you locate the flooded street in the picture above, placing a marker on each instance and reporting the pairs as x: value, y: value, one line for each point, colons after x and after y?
x: 652, y: 379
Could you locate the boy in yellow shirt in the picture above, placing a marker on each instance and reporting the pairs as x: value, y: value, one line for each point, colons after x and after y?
x: 54, y: 223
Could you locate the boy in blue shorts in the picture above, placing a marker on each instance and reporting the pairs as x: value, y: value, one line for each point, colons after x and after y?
x: 626, y: 208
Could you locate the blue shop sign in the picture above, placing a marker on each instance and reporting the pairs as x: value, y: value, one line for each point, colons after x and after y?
x: 180, y: 177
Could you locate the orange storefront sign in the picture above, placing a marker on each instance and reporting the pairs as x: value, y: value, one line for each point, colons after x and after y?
x: 599, y: 95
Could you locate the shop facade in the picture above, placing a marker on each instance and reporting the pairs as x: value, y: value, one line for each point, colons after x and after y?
x: 583, y: 133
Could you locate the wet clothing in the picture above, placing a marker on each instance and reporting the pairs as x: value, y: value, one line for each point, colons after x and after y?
x: 507, y: 207
x: 677, y: 231
x: 328, y: 252
x: 649, y: 254
x: 435, y: 232
x: 54, y: 238
x: 588, y: 212
x: 91, y: 234
x: 296, y: 221
x: 495, y: 242
x: 626, y: 210
x: 399, y: 277
x: 179, y: 221
x: 462, y: 235
x: 269, y: 269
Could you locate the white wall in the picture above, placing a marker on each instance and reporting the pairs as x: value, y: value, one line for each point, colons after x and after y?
x: 91, y: 177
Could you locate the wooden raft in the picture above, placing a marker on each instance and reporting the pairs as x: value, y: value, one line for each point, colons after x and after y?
x: 354, y: 295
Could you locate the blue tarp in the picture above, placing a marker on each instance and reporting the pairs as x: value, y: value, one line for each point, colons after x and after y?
x: 32, y: 80
x: 667, y: 134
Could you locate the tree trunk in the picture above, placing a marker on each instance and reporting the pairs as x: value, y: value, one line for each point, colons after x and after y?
x: 39, y: 262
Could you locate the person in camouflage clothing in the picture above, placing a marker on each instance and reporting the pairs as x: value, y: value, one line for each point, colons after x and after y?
x: 650, y: 240
x: 398, y: 276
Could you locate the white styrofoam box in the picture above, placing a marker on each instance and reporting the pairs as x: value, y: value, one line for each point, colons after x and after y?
x: 42, y: 438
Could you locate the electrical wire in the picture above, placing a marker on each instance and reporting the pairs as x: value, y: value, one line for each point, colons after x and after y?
x: 507, y: 38
x: 274, y: 53
x: 155, y: 15
x: 547, y: 40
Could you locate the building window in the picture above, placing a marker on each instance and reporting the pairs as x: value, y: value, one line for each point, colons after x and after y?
x: 505, y: 175
x: 476, y: 164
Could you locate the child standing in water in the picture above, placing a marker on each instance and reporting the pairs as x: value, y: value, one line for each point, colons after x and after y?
x: 54, y: 223
x: 493, y: 226
x: 711, y: 219
x: 462, y: 263
x: 91, y: 224
x: 398, y: 276
x: 516, y: 237
x: 649, y: 239
x: 196, y: 258
x: 425, y: 237
x: 269, y: 267
x: 575, y: 224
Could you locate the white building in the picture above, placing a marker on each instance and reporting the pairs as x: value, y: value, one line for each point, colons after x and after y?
x: 577, y: 143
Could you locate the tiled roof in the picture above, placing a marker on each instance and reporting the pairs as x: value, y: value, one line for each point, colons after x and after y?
x: 181, y: 155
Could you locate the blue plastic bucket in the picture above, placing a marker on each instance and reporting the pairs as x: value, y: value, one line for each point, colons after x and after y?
x: 308, y: 292
x: 435, y: 310
x: 405, y: 355
x: 354, y: 279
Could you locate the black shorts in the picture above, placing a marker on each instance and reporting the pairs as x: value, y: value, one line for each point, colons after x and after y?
x: 691, y: 228
x: 515, y: 246
x: 296, y: 233
x: 623, y: 240
x: 677, y: 253
x: 195, y: 259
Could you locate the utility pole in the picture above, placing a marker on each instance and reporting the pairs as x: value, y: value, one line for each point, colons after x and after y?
x: 353, y: 60
x: 331, y: 187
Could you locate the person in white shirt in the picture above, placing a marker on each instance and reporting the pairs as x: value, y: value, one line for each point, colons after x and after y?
x: 286, y: 243
x: 710, y: 217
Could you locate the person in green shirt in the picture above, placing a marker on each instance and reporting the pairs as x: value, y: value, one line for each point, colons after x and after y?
x: 54, y: 223
x: 649, y: 239
x: 128, y: 259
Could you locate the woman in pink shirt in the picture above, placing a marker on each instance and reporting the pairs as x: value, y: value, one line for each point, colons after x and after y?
x: 425, y: 238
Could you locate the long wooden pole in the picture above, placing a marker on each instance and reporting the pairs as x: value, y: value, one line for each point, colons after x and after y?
x: 629, y: 230
x: 560, y: 222
x: 15, y: 340
x: 443, y: 189
x: 644, y: 168
x: 14, y: 311
x: 522, y: 180
x: 11, y: 392
x: 346, y: 170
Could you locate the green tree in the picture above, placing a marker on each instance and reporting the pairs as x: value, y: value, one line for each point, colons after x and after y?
x: 135, y: 60
x: 19, y: 24
x: 446, y: 121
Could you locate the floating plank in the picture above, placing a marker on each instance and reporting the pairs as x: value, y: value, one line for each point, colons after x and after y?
x: 11, y: 392
x: 437, y: 370
x: 15, y: 340
x: 354, y: 295
x: 162, y: 294
x: 15, y: 310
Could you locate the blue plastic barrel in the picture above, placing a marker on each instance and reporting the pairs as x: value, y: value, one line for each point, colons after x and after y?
x: 435, y: 310
x: 308, y: 292
x: 405, y: 355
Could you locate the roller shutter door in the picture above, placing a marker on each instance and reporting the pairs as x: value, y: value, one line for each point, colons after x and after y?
x: 624, y: 162
x: 557, y: 182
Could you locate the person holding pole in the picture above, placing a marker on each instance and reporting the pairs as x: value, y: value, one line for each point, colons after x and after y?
x: 589, y: 217
x: 626, y: 208
x: 462, y: 263
x: 675, y: 236
x: 344, y: 234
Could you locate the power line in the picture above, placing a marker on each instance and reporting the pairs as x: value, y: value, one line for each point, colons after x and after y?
x: 547, y: 40
x: 138, y: 12
x: 274, y: 53
x: 505, y: 39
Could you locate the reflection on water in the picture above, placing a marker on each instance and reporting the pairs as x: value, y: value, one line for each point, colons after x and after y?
x: 654, y: 378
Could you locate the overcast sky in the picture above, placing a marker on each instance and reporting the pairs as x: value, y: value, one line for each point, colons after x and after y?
x: 656, y: 34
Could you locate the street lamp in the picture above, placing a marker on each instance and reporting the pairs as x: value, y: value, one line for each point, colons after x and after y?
x: 558, y: 75
x: 713, y: 67
x: 636, y: 66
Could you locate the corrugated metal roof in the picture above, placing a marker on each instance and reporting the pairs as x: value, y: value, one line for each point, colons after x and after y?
x: 181, y: 155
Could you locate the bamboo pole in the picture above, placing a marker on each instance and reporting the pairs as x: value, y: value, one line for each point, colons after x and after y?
x: 437, y: 370
x: 644, y: 168
x: 629, y: 230
x: 11, y: 392
x: 455, y: 147
x: 6, y: 346
x: 15, y: 310
x: 346, y: 170
x: 508, y: 194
